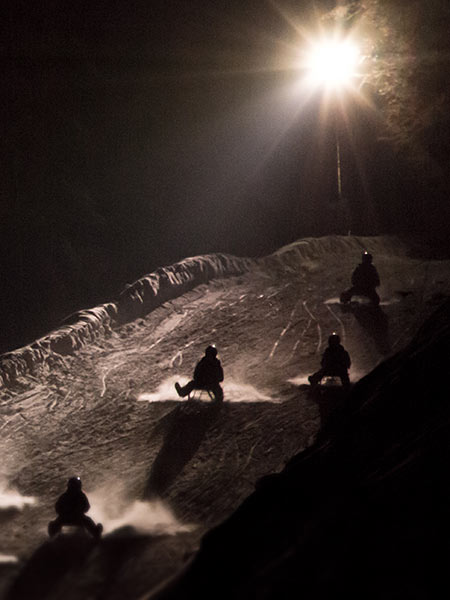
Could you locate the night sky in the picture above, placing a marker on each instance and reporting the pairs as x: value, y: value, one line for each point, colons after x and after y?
x: 138, y: 133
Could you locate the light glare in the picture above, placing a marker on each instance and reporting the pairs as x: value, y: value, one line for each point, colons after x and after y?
x: 332, y: 64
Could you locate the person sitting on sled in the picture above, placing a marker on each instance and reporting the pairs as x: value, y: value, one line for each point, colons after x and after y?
x: 71, y: 507
x: 208, y: 375
x: 335, y: 363
x: 365, y: 279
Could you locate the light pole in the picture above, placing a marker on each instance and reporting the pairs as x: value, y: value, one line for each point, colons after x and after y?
x: 331, y: 65
x: 338, y: 163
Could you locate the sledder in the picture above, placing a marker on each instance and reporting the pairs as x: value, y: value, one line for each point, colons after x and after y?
x: 71, y: 507
x: 335, y: 363
x: 208, y: 375
x: 365, y: 279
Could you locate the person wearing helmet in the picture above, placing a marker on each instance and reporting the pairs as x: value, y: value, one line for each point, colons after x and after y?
x: 71, y: 507
x: 208, y: 374
x: 335, y: 363
x: 365, y: 279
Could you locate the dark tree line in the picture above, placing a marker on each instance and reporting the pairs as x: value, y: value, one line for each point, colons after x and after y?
x: 407, y: 51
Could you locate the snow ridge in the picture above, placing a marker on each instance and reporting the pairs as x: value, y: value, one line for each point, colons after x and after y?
x: 136, y: 300
x: 166, y: 283
x: 76, y: 331
x: 309, y: 249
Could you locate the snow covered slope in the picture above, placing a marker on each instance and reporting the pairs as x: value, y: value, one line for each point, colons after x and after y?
x: 363, y: 513
x: 136, y: 300
x: 160, y: 472
x: 166, y: 283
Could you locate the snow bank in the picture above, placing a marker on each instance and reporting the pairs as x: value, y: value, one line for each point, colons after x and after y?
x: 76, y: 331
x: 166, y: 283
x: 136, y: 300
x: 310, y: 249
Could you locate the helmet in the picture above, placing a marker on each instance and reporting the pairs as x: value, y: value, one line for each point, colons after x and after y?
x: 211, y: 351
x: 74, y: 483
x: 366, y: 257
x: 334, y: 339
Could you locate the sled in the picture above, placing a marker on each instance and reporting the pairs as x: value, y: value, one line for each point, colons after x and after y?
x: 199, y: 394
x: 329, y: 387
x: 74, y: 529
x: 355, y: 301
x: 330, y: 381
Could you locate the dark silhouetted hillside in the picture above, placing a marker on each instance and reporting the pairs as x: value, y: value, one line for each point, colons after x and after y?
x: 364, y: 512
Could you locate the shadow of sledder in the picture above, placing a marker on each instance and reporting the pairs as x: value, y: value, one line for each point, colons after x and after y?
x: 186, y: 428
x: 332, y: 403
x: 375, y: 322
x: 48, y: 566
x: 75, y: 564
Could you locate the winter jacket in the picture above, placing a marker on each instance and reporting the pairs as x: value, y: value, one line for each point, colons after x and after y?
x: 208, y: 372
x: 336, y: 359
x: 72, y: 504
x: 365, y: 276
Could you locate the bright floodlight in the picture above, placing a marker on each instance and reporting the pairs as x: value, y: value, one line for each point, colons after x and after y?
x: 332, y: 64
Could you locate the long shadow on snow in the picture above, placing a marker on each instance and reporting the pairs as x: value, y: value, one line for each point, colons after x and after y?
x: 48, y: 566
x: 186, y: 428
x: 67, y: 558
x: 332, y: 404
x: 375, y: 322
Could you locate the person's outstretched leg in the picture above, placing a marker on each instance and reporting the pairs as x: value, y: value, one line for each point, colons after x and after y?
x: 186, y: 389
x: 346, y: 296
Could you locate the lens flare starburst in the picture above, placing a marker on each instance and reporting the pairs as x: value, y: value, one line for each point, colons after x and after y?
x: 332, y: 64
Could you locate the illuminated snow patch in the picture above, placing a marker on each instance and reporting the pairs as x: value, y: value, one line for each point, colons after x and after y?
x: 152, y: 517
x: 235, y: 391
x: 332, y: 301
x: 166, y: 391
x: 389, y: 301
x: 362, y: 301
x: 357, y: 374
x: 299, y: 380
x: 9, y: 498
x: 8, y: 559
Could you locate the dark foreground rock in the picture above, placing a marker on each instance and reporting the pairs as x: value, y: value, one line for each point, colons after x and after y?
x: 362, y: 513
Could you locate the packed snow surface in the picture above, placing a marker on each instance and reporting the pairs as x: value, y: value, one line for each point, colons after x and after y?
x: 160, y: 471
